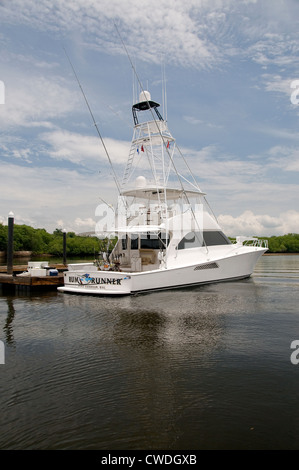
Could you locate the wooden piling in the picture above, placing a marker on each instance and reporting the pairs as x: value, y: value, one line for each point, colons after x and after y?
x: 10, y: 243
x: 64, y: 247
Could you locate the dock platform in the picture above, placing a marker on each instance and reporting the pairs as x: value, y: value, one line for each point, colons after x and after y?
x: 20, y: 268
x: 31, y: 282
x: 12, y: 281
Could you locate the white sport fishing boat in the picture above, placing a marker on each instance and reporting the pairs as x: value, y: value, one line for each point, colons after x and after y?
x: 167, y: 234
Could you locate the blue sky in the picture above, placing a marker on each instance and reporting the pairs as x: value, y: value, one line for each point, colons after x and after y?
x: 230, y: 67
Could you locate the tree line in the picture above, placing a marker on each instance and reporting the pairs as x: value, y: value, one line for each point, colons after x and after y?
x: 39, y: 241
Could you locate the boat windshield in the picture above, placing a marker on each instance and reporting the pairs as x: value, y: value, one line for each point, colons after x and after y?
x: 205, y: 238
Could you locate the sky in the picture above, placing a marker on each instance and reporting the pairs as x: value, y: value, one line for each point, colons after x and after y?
x: 232, y: 81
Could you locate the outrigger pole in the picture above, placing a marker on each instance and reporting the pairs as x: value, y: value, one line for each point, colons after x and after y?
x: 94, y: 122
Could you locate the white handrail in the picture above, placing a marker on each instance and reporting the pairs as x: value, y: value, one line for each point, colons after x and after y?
x: 253, y: 241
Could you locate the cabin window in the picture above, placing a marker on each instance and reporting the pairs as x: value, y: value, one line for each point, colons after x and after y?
x: 153, y: 242
x: 150, y: 242
x: 124, y: 242
x: 211, y: 238
x: 134, y: 243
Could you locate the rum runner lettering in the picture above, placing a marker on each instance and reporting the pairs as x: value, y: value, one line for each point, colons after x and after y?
x: 107, y: 280
x: 96, y: 280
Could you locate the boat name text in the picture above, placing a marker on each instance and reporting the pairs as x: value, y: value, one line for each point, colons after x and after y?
x: 96, y: 280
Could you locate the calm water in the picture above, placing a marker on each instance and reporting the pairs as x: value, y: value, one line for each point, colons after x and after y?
x: 201, y: 368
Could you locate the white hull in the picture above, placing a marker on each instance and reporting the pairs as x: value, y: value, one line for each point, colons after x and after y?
x: 237, y: 266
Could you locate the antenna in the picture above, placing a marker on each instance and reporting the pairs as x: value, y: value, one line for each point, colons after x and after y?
x: 164, y: 97
x: 94, y: 121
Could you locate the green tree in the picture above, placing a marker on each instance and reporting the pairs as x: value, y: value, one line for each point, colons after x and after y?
x: 40, y: 241
x: 3, y: 237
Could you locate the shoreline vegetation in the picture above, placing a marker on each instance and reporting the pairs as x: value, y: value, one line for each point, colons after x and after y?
x: 30, y: 241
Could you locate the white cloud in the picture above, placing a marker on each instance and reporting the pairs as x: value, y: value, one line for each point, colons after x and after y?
x: 211, y: 164
x: 287, y: 86
x: 175, y: 28
x: 196, y: 33
x: 46, y: 195
x: 60, y: 224
x: 23, y: 154
x: 193, y: 121
x: 85, y: 222
x: 250, y: 224
x: 277, y: 83
x: 80, y: 149
x: 196, y: 122
x: 275, y: 49
x: 37, y: 99
x: 290, y: 222
x: 278, y: 133
x: 284, y: 157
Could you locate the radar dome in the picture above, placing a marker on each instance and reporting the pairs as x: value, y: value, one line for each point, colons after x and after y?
x: 144, y: 96
x: 140, y: 182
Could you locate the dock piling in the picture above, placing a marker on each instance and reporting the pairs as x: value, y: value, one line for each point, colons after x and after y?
x: 10, y: 243
x: 64, y: 246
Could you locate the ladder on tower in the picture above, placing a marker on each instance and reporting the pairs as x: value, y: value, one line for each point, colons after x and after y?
x: 128, y: 166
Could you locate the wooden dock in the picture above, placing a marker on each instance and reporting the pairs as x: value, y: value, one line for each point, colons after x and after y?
x: 20, y: 268
x: 13, y: 281
x: 31, y: 282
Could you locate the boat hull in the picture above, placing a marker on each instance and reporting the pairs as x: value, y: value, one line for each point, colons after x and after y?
x: 236, y: 266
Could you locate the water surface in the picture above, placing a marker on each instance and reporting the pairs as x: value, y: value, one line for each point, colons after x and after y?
x: 190, y: 369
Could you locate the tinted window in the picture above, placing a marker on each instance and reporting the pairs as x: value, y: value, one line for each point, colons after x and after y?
x: 153, y: 242
x: 215, y: 238
x: 124, y: 243
x: 191, y: 240
x: 195, y: 239
x: 134, y: 243
x: 150, y: 242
